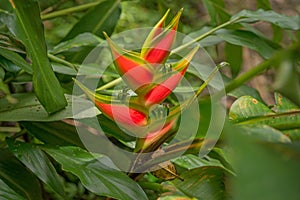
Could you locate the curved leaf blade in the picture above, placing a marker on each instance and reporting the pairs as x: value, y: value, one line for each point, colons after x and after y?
x: 283, y: 21
x: 7, y: 193
x: 95, y: 175
x: 102, y: 17
x: 30, y: 30
x: 204, y: 183
x: 17, y: 177
x: 29, y: 109
x: 36, y: 160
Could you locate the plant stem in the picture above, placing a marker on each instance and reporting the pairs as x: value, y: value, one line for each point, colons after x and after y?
x: 9, y: 129
x: 153, y: 186
x: 261, y: 67
x: 70, y: 10
x: 205, y: 35
x: 110, y: 84
x: 62, y: 61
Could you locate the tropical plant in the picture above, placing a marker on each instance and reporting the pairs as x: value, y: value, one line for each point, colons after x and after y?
x: 46, y: 121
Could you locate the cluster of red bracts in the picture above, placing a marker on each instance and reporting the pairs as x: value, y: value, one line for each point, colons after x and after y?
x: 143, y: 73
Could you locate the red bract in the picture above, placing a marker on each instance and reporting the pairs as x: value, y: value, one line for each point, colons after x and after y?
x: 122, y: 114
x: 161, y: 91
x: 129, y: 116
x: 158, y: 43
x: 129, y: 64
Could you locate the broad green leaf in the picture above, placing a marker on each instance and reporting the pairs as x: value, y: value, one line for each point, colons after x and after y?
x: 190, y: 161
x: 234, y: 56
x: 244, y: 38
x: 271, y: 170
x: 95, y: 175
x: 283, y: 21
x: 204, y: 183
x: 17, y: 177
x: 247, y: 107
x: 84, y: 39
x: 16, y: 59
x: 7, y: 193
x: 293, y: 134
x: 28, y: 108
x: 247, y: 110
x: 265, y: 133
x: 248, y: 39
x: 9, y: 66
x: 30, y: 31
x: 51, y: 132
x: 102, y: 17
x: 36, y: 160
x: 283, y: 104
x: 63, y: 69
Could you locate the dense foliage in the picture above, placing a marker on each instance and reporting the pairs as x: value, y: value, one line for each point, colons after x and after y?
x: 43, y: 49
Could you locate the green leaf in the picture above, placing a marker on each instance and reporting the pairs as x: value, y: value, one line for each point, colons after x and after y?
x: 84, y: 39
x: 102, y: 17
x: 28, y: 108
x: 30, y: 30
x: 248, y: 39
x: 7, y: 193
x: 95, y: 175
x: 265, y: 133
x: 51, y: 133
x: 36, y: 160
x: 247, y: 107
x: 17, y: 177
x: 271, y: 170
x: 203, y: 183
x: 243, y: 38
x: 247, y: 110
x: 234, y: 56
x: 283, y: 104
x: 16, y: 59
x: 283, y: 21
x: 191, y: 161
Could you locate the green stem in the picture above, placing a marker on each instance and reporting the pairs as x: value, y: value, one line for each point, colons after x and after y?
x: 278, y: 56
x: 201, y: 37
x: 9, y: 129
x: 110, y: 84
x: 62, y: 61
x: 67, y: 11
x: 154, y: 186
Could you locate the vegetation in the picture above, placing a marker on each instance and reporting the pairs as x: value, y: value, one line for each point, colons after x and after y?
x: 56, y: 56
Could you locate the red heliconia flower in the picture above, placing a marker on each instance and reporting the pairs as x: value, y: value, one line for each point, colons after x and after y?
x: 162, y: 90
x: 129, y: 64
x: 157, y: 45
x: 129, y: 116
